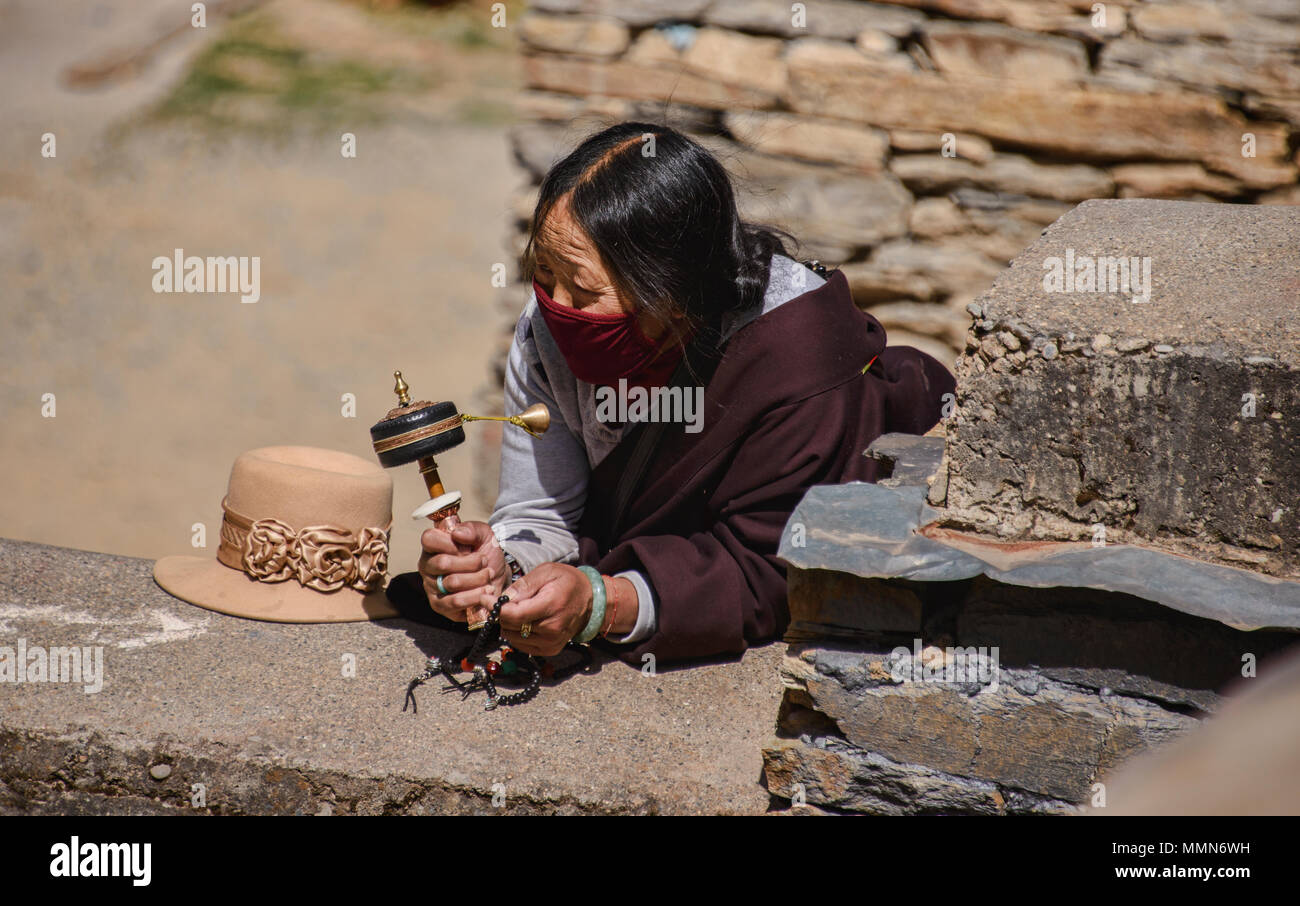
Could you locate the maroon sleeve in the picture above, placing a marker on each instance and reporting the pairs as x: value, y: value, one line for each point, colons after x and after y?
x: 718, y: 591
x: 721, y: 590
x: 915, y: 386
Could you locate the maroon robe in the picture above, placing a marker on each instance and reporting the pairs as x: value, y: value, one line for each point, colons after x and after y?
x: 787, y: 407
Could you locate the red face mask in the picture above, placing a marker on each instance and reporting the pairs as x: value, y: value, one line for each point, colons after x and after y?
x: 600, y: 349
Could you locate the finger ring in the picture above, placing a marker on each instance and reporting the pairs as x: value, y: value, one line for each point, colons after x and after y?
x: 525, y: 630
x: 442, y: 589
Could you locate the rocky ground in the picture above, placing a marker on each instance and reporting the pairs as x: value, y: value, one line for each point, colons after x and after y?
x: 226, y: 141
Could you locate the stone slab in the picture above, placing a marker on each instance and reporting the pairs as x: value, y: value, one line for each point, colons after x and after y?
x: 827, y: 604
x: 834, y: 775
x: 1047, y: 739
x: 837, y: 19
x: 1120, y: 125
x: 1222, y: 274
x: 909, y: 459
x: 632, y: 12
x: 1106, y: 642
x: 624, y: 79
x: 1170, y: 421
x: 262, y: 715
x: 889, y: 533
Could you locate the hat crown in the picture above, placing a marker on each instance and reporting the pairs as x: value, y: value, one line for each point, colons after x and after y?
x: 308, y: 486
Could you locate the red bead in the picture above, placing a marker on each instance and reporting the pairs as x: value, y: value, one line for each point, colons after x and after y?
x: 493, y: 667
x: 466, y: 665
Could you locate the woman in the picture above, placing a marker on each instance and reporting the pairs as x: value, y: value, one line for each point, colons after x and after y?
x: 645, y: 278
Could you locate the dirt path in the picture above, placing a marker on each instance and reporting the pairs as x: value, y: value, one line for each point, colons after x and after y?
x: 367, y: 264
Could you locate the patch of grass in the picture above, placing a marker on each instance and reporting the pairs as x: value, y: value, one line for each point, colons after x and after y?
x: 327, y: 86
x: 249, y: 77
x: 467, y: 25
x: 197, y: 91
x: 258, y: 76
x: 474, y: 35
x: 485, y: 112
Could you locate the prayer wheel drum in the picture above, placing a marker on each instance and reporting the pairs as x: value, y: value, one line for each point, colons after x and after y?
x: 420, y: 429
x: 417, y: 432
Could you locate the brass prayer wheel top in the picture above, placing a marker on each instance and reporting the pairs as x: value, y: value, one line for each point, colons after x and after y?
x: 418, y: 429
x: 404, y: 404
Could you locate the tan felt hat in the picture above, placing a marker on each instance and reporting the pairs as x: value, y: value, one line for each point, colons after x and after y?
x: 304, y: 539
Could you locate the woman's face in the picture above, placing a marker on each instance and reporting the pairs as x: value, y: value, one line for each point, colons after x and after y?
x: 570, y: 270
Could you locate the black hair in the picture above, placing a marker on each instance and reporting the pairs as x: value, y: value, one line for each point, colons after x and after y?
x: 661, y: 212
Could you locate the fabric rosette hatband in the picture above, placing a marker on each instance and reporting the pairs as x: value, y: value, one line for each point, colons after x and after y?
x: 304, y: 539
x: 323, y: 557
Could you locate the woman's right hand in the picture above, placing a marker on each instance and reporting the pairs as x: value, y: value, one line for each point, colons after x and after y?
x: 472, y: 566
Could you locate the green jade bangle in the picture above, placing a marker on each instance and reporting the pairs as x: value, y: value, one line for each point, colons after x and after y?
x: 597, y: 606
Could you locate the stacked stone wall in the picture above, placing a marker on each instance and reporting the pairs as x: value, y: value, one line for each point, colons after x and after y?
x: 921, y: 144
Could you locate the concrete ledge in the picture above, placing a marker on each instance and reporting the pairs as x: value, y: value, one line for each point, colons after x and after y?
x: 262, y: 716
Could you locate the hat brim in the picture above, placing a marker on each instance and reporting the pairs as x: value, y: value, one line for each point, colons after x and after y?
x: 214, y: 586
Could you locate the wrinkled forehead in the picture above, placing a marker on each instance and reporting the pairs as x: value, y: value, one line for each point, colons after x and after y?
x: 561, y: 238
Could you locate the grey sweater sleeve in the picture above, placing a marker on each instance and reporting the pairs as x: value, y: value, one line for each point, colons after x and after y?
x: 543, y: 479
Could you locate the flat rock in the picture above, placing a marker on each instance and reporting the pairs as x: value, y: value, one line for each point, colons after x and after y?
x: 824, y: 18
x: 820, y: 205
x: 628, y: 79
x: 1175, y: 21
x: 1067, y: 17
x: 964, y: 145
x: 988, y: 50
x: 591, y: 35
x: 1164, y: 421
x: 879, y: 532
x: 263, y: 715
x: 1171, y: 181
x: 1192, y: 125
x: 923, y: 318
x: 808, y: 138
x: 1245, y: 67
x: 1011, y: 173
x: 632, y: 12
x: 1048, y: 743
x: 920, y: 268
x: 908, y: 458
x: 738, y: 59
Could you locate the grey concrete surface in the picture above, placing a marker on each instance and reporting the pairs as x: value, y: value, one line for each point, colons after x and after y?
x: 262, y: 715
x: 1223, y: 277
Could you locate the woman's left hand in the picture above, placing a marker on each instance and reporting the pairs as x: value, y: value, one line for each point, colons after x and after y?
x: 555, y: 599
